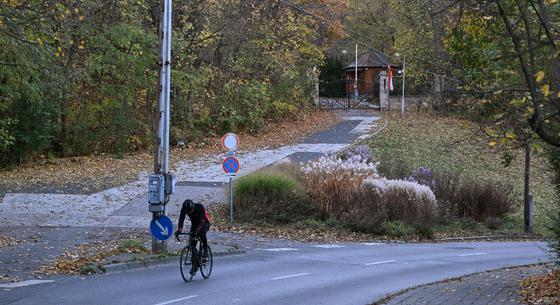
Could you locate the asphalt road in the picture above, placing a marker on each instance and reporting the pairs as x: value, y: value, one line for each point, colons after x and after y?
x: 287, y: 274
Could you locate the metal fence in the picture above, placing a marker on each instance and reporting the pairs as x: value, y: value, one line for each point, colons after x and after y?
x: 339, y: 94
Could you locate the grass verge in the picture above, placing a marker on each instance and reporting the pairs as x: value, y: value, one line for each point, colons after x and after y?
x: 448, y: 144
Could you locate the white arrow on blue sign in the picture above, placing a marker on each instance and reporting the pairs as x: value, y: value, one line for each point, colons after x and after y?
x: 161, y: 227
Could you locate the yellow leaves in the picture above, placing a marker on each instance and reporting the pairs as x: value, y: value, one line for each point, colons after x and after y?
x: 81, y: 18
x: 39, y: 42
x: 511, y: 135
x: 518, y: 102
x: 59, y: 52
x: 81, y: 45
x: 550, y: 2
x: 492, y: 144
x: 539, y: 76
x: 11, y: 2
x: 546, y: 90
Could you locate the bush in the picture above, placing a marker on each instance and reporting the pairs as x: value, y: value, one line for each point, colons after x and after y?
x: 381, y: 201
x: 473, y: 198
x: 290, y: 169
x: 399, y: 229
x: 424, y: 176
x: 405, y: 201
x: 493, y: 223
x: 393, y: 168
x: 358, y: 153
x: 270, y: 197
x: 554, y: 243
x: 554, y: 157
x: 368, y: 212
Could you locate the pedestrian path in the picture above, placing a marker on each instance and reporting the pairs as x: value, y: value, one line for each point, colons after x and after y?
x: 494, y: 287
x: 201, y: 180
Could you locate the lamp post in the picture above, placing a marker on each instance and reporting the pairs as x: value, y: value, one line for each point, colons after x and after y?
x: 356, y: 75
x: 403, y: 81
x: 345, y: 80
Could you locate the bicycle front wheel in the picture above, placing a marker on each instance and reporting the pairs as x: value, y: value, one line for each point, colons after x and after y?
x: 185, y: 264
x: 206, y: 266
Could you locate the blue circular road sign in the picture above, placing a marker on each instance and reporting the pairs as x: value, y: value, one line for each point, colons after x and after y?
x: 230, y: 165
x: 161, y: 227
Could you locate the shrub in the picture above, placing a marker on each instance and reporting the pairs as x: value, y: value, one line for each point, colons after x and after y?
x: 424, y: 176
x: 290, y: 169
x: 405, y: 201
x: 333, y: 183
x: 358, y: 153
x: 554, y: 243
x: 270, y: 197
x: 493, y: 223
x: 393, y: 168
x: 381, y: 201
x: 399, y: 229
x: 473, y: 198
x: 368, y: 212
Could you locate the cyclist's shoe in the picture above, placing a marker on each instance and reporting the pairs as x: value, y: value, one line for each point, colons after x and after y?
x: 193, y: 271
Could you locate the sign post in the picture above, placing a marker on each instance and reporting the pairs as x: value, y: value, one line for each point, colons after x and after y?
x: 230, y: 165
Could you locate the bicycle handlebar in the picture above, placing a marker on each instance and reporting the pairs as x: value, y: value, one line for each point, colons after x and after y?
x: 188, y: 233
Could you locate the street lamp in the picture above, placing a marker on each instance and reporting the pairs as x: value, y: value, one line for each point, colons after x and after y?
x: 397, y: 55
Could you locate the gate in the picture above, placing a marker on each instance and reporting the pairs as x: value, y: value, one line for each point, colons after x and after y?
x: 339, y: 94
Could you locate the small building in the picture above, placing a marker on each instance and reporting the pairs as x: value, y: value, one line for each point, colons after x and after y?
x: 369, y: 67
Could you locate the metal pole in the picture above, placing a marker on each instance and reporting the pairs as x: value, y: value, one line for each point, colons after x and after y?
x: 356, y: 74
x: 162, y: 153
x: 403, y: 81
x: 527, y: 198
x: 230, y: 200
x: 167, y: 89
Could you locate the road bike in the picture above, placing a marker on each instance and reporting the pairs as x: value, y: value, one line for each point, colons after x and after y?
x: 192, y: 259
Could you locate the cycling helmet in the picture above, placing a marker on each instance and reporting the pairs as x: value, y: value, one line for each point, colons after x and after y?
x: 189, y: 205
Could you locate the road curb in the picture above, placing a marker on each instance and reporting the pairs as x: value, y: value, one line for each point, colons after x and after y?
x: 493, y: 237
x: 150, y: 262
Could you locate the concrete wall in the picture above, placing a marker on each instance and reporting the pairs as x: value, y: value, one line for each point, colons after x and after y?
x: 411, y: 103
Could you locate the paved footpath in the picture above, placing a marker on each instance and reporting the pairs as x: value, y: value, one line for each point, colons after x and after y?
x: 201, y: 180
x: 498, y: 287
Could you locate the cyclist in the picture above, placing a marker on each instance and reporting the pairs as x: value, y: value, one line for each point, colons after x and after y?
x: 200, y: 223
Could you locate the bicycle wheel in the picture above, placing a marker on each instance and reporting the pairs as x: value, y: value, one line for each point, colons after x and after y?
x: 206, y: 266
x: 185, y: 264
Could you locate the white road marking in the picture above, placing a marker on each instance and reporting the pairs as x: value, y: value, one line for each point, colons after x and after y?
x: 372, y: 244
x: 328, y: 246
x: 24, y: 283
x: 288, y: 276
x: 473, y: 254
x: 178, y: 300
x: 278, y: 249
x: 382, y: 262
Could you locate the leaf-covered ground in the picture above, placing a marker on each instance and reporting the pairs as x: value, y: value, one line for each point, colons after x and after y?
x: 450, y: 144
x: 542, y: 289
x: 75, y: 259
x: 90, y: 174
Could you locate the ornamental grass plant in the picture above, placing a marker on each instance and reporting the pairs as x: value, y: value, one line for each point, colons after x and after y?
x: 271, y: 197
x: 332, y: 183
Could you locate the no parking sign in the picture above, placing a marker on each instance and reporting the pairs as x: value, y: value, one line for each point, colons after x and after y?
x: 230, y: 165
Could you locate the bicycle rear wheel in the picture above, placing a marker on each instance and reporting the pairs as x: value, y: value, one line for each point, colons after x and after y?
x: 185, y: 264
x: 206, y: 266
